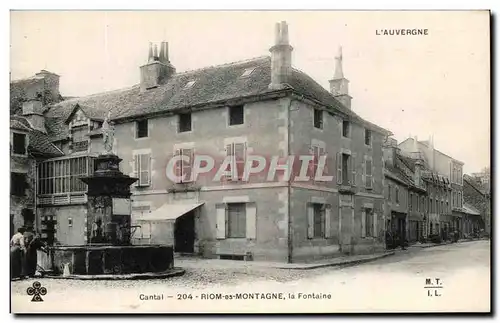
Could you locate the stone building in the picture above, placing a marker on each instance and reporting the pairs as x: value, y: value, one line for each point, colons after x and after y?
x: 480, y: 199
x: 258, y: 107
x: 445, y: 188
x: 406, y: 190
x: 29, y: 142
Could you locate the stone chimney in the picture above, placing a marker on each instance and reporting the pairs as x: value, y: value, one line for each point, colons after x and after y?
x: 339, y: 85
x: 33, y: 112
x: 419, y: 163
x: 281, y: 57
x: 158, y: 69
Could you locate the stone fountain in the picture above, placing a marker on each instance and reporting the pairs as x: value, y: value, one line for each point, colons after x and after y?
x: 108, y: 252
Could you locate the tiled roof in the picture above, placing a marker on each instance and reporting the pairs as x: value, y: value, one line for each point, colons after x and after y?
x: 18, y: 125
x: 397, y: 173
x: 213, y: 84
x: 39, y: 142
x: 474, y: 183
x: 408, y: 161
x: 21, y: 90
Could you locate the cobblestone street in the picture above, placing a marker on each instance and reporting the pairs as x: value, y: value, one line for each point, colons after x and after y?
x: 463, y: 268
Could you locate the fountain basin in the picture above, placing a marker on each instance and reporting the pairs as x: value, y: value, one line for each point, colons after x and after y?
x: 95, y: 260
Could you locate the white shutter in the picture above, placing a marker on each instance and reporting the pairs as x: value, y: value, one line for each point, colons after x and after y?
x: 363, y: 223
x: 375, y: 225
x: 144, y: 169
x: 136, y: 169
x: 230, y: 152
x: 221, y: 220
x: 310, y: 221
x: 363, y: 176
x: 339, y: 168
x: 251, y: 210
x: 187, y: 166
x: 368, y: 173
x: 328, y: 221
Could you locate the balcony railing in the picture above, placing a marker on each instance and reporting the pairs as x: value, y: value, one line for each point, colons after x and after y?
x: 62, y: 198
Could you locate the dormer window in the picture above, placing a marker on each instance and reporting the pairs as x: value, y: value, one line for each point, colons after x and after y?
x: 189, y: 84
x: 247, y: 72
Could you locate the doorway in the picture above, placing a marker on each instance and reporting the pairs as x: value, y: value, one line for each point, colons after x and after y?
x: 184, y: 233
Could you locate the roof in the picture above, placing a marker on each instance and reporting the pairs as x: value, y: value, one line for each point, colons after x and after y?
x: 216, y: 84
x: 18, y: 125
x: 397, y: 173
x: 408, y: 161
x: 469, y: 209
x: 474, y: 183
x: 23, y: 89
x: 39, y: 142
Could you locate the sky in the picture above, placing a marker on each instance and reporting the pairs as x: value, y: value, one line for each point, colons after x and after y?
x: 438, y: 84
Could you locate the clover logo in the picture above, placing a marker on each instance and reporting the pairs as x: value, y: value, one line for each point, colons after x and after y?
x: 36, y: 291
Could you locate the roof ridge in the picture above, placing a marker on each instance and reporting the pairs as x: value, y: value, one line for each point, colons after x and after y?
x: 248, y: 60
x: 29, y: 78
x: 78, y: 98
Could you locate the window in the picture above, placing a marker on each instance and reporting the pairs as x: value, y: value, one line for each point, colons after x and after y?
x: 19, y: 143
x: 397, y: 194
x: 248, y: 71
x: 318, y: 119
x: 345, y: 128
x: 368, y: 137
x: 236, y: 115
x: 236, y: 220
x: 182, y: 168
x: 189, y: 84
x: 389, y: 193
x: 63, y: 176
x: 70, y: 222
x: 184, y: 122
x: 142, y: 169
x: 410, y: 201
x: 368, y: 222
x: 18, y: 184
x: 238, y: 151
x: 319, y: 220
x: 459, y: 199
x: 345, y: 169
x: 141, y: 128
x: 79, y: 133
x: 368, y: 174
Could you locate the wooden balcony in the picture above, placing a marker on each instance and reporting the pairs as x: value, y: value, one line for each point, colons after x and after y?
x: 62, y: 198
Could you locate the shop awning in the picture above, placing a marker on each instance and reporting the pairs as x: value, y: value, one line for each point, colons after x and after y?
x: 169, y: 212
x: 469, y: 209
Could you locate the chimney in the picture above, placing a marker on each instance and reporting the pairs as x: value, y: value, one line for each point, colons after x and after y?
x: 339, y: 85
x: 33, y: 112
x: 281, y: 57
x: 419, y: 163
x: 158, y: 70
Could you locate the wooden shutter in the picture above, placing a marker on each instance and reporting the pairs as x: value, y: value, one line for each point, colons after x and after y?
x: 368, y: 173
x: 375, y: 225
x: 178, y: 166
x: 339, y: 168
x: 328, y: 221
x: 310, y: 221
x: 363, y: 223
x: 187, y: 166
x: 353, y: 169
x: 144, y: 169
x: 251, y: 213
x: 136, y: 169
x: 221, y: 220
x: 240, y: 150
x: 229, y: 153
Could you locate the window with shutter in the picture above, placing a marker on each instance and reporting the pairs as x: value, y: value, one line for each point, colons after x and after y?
x: 369, y: 225
x: 345, y: 169
x: 368, y: 174
x: 339, y: 168
x: 142, y: 169
x: 238, y: 152
x: 237, y: 222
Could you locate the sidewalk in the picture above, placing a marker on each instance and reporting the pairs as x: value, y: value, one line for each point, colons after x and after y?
x: 192, y: 262
x: 430, y: 244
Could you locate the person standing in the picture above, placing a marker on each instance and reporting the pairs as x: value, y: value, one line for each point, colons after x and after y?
x: 35, y: 243
x: 17, y: 250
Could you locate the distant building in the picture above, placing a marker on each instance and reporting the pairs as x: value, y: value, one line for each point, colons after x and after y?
x: 479, y: 199
x: 484, y: 179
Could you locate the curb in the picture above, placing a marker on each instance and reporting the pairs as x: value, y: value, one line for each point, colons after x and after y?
x: 343, y: 263
x: 166, y: 274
